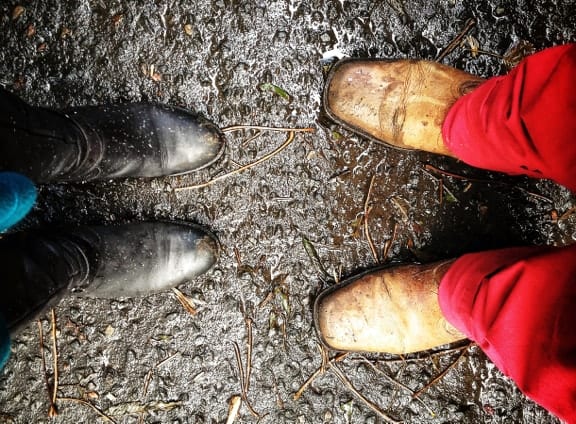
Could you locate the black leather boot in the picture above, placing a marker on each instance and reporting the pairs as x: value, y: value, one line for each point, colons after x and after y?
x: 103, y: 142
x: 39, y: 268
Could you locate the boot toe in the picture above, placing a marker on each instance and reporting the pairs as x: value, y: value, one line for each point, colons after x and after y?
x: 349, y: 317
x: 189, y: 141
x: 192, y: 252
x: 145, y: 258
x: 355, y: 92
x: 392, y: 310
x: 183, y: 251
x: 401, y: 103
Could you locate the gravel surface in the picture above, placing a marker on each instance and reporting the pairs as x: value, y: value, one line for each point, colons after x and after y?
x: 264, y: 63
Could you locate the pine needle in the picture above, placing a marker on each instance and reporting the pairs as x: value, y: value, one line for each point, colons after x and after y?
x: 264, y: 158
x: 442, y: 374
x: 53, y: 411
x: 88, y: 404
x: 334, y: 368
x: 367, y: 210
x: 318, y: 372
x: 265, y: 128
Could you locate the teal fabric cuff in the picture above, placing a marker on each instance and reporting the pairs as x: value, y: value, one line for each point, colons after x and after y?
x: 17, y: 196
x: 4, y: 343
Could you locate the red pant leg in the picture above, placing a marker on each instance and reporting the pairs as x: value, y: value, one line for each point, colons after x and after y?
x: 521, y: 123
x: 519, y: 305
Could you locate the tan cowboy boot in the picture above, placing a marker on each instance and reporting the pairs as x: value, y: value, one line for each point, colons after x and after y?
x: 393, y: 310
x: 402, y: 103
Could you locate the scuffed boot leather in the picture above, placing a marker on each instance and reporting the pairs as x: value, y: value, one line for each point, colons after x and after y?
x: 103, y: 142
x: 41, y: 267
x: 402, y: 103
x: 392, y: 310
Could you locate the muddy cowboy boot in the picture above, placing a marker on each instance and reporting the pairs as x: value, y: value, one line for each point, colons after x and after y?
x: 401, y: 103
x: 41, y: 267
x: 103, y: 142
x: 391, y: 309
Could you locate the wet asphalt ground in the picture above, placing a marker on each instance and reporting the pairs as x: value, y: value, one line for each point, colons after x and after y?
x: 289, y: 227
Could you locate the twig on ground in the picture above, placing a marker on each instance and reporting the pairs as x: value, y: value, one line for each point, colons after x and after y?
x: 146, y: 382
x: 367, y: 210
x: 240, y: 366
x: 337, y: 274
x: 432, y: 168
x: 267, y: 299
x: 279, y: 401
x: 338, y: 372
x: 325, y: 357
x: 83, y: 402
x: 265, y: 128
x: 478, y: 180
x: 442, y: 374
x: 53, y: 411
x: 291, y: 134
x: 52, y: 388
x: 150, y: 371
x: 397, y: 383
x: 441, y: 187
x: 369, y: 237
x: 289, y: 140
x: 242, y: 378
x: 52, y: 408
x: 233, y: 408
x: 567, y: 214
x: 135, y: 407
x: 165, y: 360
x: 402, y: 359
x: 249, y: 345
x: 321, y: 370
x: 470, y: 23
x: 389, y: 242
x: 254, y: 137
x: 244, y: 375
x: 532, y: 194
x: 447, y: 190
x: 401, y: 208
x: 314, y: 258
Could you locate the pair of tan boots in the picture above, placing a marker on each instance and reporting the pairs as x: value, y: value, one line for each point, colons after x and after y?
x: 401, y: 103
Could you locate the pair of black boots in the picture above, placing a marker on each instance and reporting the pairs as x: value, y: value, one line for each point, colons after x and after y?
x: 98, y: 143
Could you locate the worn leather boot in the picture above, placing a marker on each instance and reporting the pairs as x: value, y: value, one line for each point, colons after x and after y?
x: 393, y: 310
x: 402, y: 103
x: 39, y: 268
x: 103, y: 142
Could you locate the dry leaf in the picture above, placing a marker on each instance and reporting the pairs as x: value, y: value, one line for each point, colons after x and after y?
x: 185, y: 301
x: 233, y: 408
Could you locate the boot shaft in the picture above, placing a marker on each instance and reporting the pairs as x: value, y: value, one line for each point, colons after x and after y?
x: 38, y: 268
x: 39, y: 143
